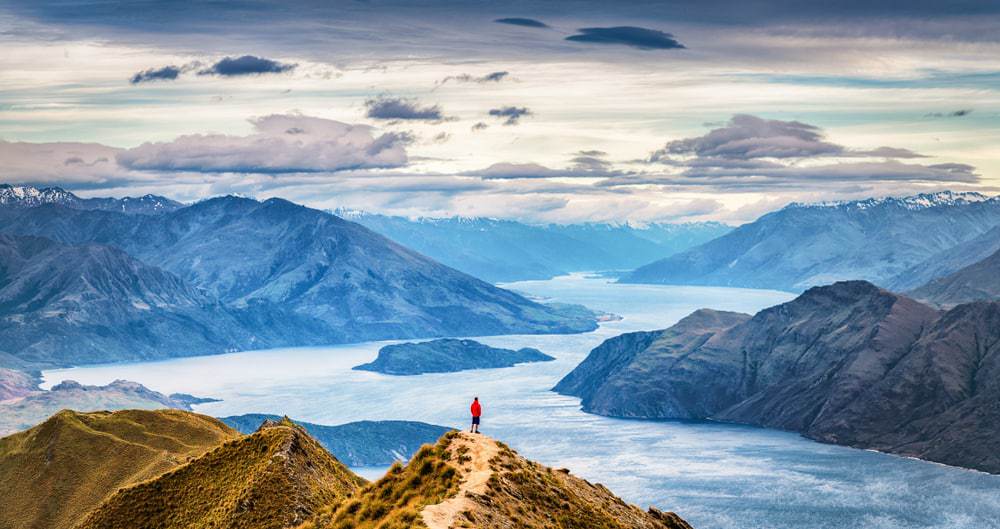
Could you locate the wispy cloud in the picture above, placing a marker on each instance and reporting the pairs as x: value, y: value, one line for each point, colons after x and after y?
x: 281, y: 143
x: 636, y: 37
x: 492, y: 77
x: 953, y: 114
x: 246, y: 65
x: 511, y: 115
x: 521, y: 21
x: 399, y: 108
x: 166, y: 73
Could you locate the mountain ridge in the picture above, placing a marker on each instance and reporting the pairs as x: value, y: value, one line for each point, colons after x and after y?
x: 801, y: 246
x: 848, y: 363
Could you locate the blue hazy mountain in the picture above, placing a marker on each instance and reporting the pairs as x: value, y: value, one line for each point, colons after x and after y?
x: 30, y: 196
x: 979, y: 281
x: 506, y: 250
x: 803, y: 245
x: 848, y: 363
x: 357, y: 444
x: 240, y: 273
x: 948, y: 261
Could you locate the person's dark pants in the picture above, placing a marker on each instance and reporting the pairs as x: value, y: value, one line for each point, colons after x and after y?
x: 475, y: 424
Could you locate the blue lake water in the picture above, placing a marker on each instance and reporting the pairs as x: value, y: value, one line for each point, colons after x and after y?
x: 717, y: 476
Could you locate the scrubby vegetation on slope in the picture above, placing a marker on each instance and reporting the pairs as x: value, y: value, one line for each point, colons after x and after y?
x: 275, y: 478
x: 396, y: 500
x: 56, y: 472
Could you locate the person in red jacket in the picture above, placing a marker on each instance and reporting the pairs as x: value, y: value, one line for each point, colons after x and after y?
x: 477, y: 411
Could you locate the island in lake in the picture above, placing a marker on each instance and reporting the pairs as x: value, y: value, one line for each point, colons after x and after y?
x: 447, y: 355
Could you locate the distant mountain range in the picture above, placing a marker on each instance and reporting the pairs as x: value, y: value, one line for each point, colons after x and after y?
x: 30, y: 196
x: 506, y: 250
x: 849, y: 363
x: 356, y: 444
x: 34, y: 405
x: 86, y: 285
x: 887, y: 241
x: 977, y: 281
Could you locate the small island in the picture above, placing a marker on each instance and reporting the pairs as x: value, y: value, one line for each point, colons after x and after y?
x: 447, y: 355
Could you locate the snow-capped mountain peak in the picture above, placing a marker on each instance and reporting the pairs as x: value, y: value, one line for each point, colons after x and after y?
x: 914, y: 202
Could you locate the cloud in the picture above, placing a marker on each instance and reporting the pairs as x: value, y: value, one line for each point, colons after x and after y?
x: 59, y: 162
x: 580, y: 167
x: 398, y: 108
x: 479, y: 126
x: 523, y: 22
x: 512, y: 115
x: 281, y: 143
x: 492, y: 77
x: 642, y: 38
x: 166, y: 73
x: 954, y: 114
x: 747, y: 137
x: 246, y: 65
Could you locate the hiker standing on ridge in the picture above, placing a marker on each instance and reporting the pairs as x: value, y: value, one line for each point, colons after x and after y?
x: 477, y: 410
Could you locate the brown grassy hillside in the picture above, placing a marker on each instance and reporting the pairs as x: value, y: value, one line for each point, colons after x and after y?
x: 473, y: 481
x: 274, y: 478
x: 56, y: 472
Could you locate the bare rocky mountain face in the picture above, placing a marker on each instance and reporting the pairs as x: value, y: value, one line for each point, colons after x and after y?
x: 848, y: 363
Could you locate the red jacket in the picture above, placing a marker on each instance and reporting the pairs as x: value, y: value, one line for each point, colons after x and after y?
x: 477, y: 410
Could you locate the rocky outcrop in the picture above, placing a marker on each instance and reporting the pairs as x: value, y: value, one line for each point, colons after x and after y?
x: 848, y: 363
x: 447, y: 355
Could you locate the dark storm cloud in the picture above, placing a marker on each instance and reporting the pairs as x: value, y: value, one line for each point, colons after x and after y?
x: 246, y: 65
x: 166, y: 73
x: 642, y: 38
x: 399, y: 108
x: 956, y: 114
x: 523, y: 22
x: 512, y: 115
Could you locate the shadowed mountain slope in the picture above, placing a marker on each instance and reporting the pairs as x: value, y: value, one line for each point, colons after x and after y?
x: 56, y: 472
x: 848, y: 363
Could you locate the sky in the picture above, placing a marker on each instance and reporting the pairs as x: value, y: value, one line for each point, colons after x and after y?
x: 559, y: 111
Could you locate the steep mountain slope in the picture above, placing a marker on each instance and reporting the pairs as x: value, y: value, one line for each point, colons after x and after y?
x: 505, y: 250
x: 30, y: 196
x: 56, y: 472
x: 447, y: 355
x: 36, y: 406
x: 804, y: 245
x: 357, y: 444
x: 947, y: 261
x: 976, y: 282
x: 847, y: 363
x: 274, y: 478
x: 90, y: 303
x: 275, y: 257
x: 469, y: 480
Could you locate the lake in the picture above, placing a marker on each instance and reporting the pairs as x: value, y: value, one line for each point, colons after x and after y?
x: 717, y: 476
